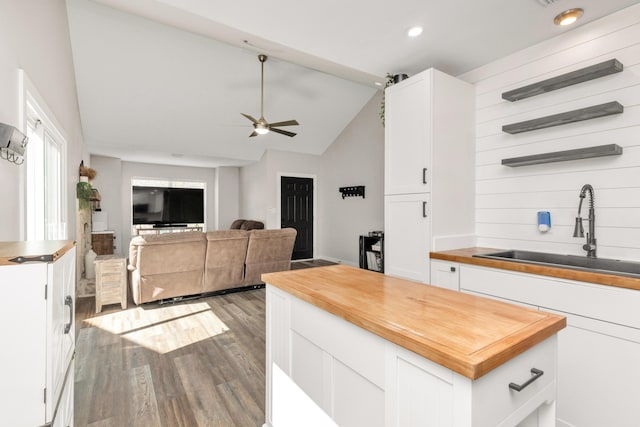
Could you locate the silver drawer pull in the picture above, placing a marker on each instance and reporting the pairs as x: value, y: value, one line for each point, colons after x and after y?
x: 535, y: 374
x: 68, y: 301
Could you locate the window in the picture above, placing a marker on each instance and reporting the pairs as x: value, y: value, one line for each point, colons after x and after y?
x: 46, y: 199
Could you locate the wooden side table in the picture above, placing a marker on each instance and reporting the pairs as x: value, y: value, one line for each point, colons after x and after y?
x: 111, y: 281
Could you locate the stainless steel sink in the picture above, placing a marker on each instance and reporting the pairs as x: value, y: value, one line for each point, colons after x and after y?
x: 573, y: 262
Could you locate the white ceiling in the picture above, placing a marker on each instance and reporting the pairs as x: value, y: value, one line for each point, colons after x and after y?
x: 164, y: 81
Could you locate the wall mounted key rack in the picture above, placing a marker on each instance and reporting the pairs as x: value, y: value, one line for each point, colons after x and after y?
x: 353, y: 191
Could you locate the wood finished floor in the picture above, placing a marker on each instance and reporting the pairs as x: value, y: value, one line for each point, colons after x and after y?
x: 195, y: 363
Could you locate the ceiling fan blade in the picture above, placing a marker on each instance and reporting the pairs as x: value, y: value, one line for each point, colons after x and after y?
x: 253, y: 134
x: 286, y: 123
x: 283, y: 132
x: 249, y: 117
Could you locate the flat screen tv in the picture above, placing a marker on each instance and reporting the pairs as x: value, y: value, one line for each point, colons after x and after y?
x: 166, y: 207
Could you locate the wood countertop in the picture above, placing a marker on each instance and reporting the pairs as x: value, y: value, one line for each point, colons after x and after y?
x: 466, y: 256
x: 465, y: 333
x: 33, y: 249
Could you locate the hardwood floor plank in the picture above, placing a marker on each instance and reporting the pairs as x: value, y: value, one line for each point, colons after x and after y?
x: 143, y: 399
x: 194, y: 363
x: 202, y: 394
x: 241, y: 407
x: 176, y: 412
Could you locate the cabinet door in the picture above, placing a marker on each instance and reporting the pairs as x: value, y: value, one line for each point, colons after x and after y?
x: 598, y: 374
x: 407, y: 236
x: 23, y: 315
x: 60, y: 324
x: 407, y: 136
x: 64, y: 416
x: 445, y: 274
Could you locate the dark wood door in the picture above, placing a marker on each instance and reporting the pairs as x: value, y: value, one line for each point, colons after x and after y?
x: 297, y: 212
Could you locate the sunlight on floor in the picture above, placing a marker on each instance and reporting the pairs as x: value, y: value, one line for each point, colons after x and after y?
x: 163, y: 329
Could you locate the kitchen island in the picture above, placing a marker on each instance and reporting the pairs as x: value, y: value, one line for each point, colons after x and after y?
x: 370, y: 349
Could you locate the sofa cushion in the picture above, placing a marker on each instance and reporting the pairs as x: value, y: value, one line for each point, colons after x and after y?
x: 166, y: 265
x: 268, y: 251
x: 224, y: 262
x: 252, y: 225
x: 235, y: 225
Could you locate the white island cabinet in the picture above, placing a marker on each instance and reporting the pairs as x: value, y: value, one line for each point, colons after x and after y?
x: 37, y: 313
x: 357, y: 348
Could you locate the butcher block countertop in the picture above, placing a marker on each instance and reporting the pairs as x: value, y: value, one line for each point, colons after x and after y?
x: 466, y: 256
x: 9, y: 251
x: 465, y: 333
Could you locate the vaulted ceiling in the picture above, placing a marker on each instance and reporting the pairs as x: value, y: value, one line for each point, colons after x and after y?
x: 165, y: 81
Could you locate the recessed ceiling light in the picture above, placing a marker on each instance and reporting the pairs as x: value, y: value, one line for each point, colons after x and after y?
x: 414, y: 32
x: 568, y: 17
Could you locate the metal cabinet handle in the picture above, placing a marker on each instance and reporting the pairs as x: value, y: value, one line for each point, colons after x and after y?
x: 536, y: 373
x: 452, y: 269
x: 68, y: 301
x: 424, y: 175
x: 424, y: 209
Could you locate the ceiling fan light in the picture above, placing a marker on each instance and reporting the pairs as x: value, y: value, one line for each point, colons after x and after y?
x: 261, y: 129
x: 414, y: 31
x: 568, y: 17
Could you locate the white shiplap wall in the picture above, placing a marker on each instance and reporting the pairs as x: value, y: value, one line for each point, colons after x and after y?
x: 507, y: 199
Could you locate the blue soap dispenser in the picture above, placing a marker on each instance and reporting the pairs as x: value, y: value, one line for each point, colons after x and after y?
x: 544, y: 221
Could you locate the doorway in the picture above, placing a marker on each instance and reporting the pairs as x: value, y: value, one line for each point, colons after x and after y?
x: 296, y: 211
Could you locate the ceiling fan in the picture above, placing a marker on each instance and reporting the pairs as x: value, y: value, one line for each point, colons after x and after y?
x: 261, y: 126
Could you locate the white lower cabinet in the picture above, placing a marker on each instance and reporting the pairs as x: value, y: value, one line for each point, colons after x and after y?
x: 407, y: 236
x: 64, y: 415
x: 598, y: 374
x: 360, y: 379
x: 445, y: 274
x: 37, y: 313
x: 598, y: 351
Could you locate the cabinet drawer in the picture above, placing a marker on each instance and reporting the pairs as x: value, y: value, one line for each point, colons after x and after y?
x: 111, y: 267
x: 608, y: 303
x: 495, y: 402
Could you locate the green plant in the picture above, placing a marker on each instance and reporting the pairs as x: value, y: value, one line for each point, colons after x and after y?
x: 388, y: 82
x: 83, y: 193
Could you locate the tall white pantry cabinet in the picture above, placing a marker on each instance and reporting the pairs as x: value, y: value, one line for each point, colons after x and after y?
x: 429, y: 171
x: 38, y: 330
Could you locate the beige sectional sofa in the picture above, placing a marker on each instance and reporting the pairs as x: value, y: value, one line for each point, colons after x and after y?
x: 179, y: 264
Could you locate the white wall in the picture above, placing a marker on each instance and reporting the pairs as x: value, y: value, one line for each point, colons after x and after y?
x: 355, y: 158
x: 253, y: 197
x: 507, y: 199
x: 107, y: 181
x: 227, y: 197
x: 34, y: 36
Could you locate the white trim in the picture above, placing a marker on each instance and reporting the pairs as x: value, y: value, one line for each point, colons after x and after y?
x: 314, y: 177
x: 28, y: 95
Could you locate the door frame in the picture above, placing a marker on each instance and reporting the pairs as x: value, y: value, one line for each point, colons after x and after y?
x: 314, y: 177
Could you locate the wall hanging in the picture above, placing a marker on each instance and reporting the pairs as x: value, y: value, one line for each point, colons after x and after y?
x: 353, y: 191
x: 12, y: 144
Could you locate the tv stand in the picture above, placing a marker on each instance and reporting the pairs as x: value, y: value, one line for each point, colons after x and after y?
x: 138, y: 231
